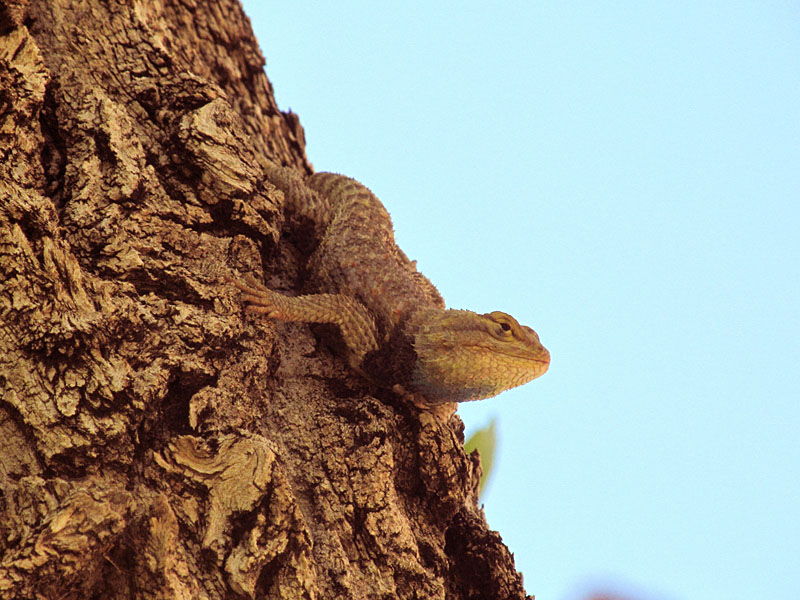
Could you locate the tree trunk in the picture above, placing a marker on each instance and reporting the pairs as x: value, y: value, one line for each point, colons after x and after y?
x: 156, y: 441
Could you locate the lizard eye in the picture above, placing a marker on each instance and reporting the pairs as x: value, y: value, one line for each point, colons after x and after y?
x: 503, y: 330
x: 503, y: 326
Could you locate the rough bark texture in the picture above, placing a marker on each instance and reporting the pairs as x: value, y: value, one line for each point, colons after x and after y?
x: 156, y: 442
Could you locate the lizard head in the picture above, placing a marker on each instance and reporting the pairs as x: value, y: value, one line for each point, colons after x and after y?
x: 462, y: 355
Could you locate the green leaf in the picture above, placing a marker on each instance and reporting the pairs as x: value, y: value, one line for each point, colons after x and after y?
x: 485, y: 441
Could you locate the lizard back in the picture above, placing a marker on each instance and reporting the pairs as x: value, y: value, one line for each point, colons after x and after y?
x: 357, y: 255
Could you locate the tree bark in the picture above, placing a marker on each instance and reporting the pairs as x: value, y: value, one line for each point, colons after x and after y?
x: 156, y: 441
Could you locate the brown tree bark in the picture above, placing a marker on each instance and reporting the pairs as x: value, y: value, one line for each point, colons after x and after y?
x: 156, y: 442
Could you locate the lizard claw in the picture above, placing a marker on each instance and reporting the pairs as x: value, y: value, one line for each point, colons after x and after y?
x: 259, y: 299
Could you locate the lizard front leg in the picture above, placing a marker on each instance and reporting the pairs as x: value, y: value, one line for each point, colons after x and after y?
x: 354, y: 321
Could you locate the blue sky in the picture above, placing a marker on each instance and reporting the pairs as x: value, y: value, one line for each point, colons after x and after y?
x: 623, y: 177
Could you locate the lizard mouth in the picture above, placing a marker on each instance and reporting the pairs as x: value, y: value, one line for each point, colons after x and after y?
x: 537, y: 355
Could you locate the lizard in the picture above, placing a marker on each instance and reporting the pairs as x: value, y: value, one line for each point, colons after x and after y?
x: 393, y: 321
